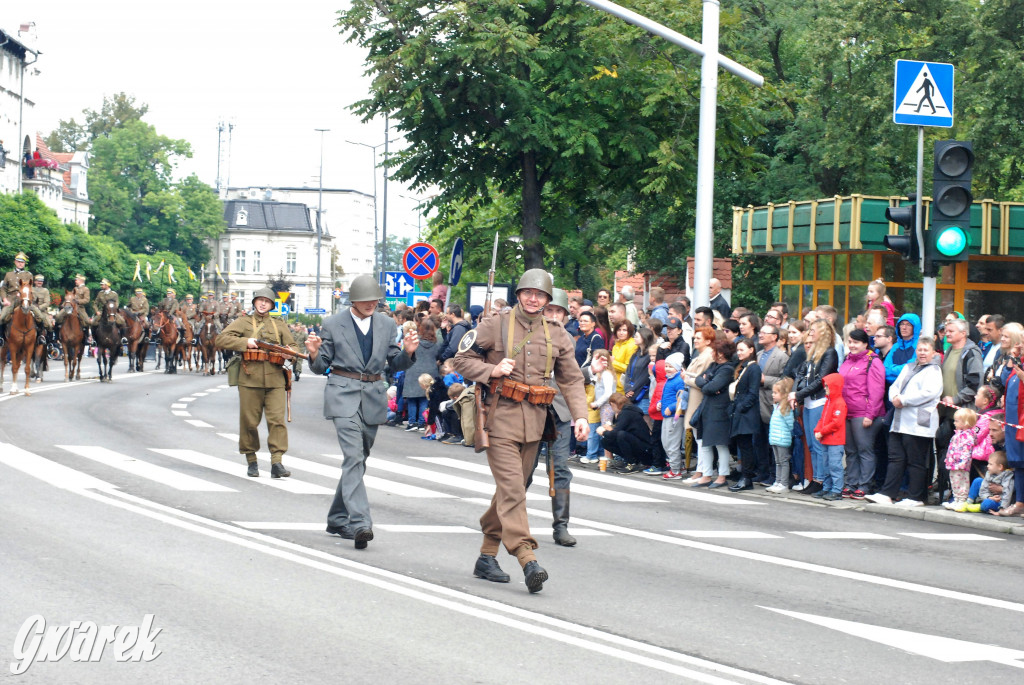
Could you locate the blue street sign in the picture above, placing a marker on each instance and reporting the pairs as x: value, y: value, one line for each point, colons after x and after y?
x: 923, y: 93
x: 314, y: 310
x: 455, y: 268
x: 397, y: 284
x: 412, y: 298
x: 420, y: 260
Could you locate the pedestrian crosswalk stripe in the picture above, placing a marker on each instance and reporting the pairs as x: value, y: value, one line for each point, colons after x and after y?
x: 577, y: 489
x: 230, y: 436
x: 434, y: 477
x: 186, y: 399
x: 665, y: 490
x: 727, y: 534
x: 237, y: 468
x: 951, y: 536
x: 199, y: 394
x: 401, y: 528
x: 373, y: 482
x: 178, y: 412
x: 50, y: 471
x: 179, y: 405
x: 841, y: 535
x: 198, y: 424
x: 143, y: 469
x: 217, y: 389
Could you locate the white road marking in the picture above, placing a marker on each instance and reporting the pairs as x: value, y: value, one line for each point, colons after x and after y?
x: 534, y: 623
x: 538, y: 483
x: 178, y: 412
x: 179, y: 405
x: 223, y: 387
x: 199, y: 394
x: 839, y: 535
x: 49, y: 471
x: 159, y: 474
x: 728, y: 534
x: 198, y: 424
x: 945, y: 649
x: 230, y: 436
x: 952, y: 536
x: 280, y: 525
x: 62, y: 385
x: 393, y: 487
x: 397, y: 528
x: 209, y: 390
x: 186, y: 399
x: 403, y: 528
x: 435, y: 477
x: 237, y: 468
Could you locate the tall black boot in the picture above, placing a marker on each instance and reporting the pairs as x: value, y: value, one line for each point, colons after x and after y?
x: 560, y: 510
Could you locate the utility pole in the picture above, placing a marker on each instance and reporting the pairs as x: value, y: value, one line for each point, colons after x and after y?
x: 376, y: 229
x: 384, y: 229
x: 319, y: 213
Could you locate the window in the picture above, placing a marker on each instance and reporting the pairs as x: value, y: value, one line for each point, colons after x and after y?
x: 239, y: 260
x: 225, y: 260
x: 256, y: 261
x: 289, y: 262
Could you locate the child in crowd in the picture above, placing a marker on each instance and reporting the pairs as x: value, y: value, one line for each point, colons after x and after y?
x: 392, y: 405
x: 449, y: 373
x: 673, y: 403
x: 780, y: 434
x: 426, y: 382
x: 629, y: 437
x: 601, y: 412
x: 991, y: 492
x: 451, y: 427
x: 985, y: 401
x: 654, y: 411
x: 958, y: 455
x: 831, y: 433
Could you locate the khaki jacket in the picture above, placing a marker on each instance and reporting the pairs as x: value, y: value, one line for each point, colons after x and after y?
x: 81, y: 295
x: 102, y: 298
x: 12, y: 283
x: 169, y: 305
x: 41, y: 298
x: 139, y: 305
x: 522, y: 421
x: 236, y: 338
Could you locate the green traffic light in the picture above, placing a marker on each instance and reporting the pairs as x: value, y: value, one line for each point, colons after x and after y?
x: 951, y: 241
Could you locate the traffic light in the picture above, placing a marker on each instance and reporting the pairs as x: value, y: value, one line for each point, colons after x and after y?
x: 905, y: 244
x: 948, y: 241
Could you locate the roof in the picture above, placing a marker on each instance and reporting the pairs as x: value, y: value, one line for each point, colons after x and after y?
x: 14, y: 46
x: 267, y: 216
x: 672, y: 283
x: 721, y: 269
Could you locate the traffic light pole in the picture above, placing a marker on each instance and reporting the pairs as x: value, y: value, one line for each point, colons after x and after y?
x: 928, y: 285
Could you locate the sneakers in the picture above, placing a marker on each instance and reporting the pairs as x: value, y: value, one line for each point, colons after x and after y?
x: 653, y: 471
x: 832, y: 496
x: 820, y: 494
x: 617, y: 463
x: 973, y: 508
x: 847, y: 493
x: 811, y: 488
x: 672, y: 475
x: 777, y: 488
x: 629, y: 468
x: 588, y: 460
x: 879, y: 498
x: 411, y: 427
x: 950, y: 505
x: 909, y: 503
x: 857, y: 494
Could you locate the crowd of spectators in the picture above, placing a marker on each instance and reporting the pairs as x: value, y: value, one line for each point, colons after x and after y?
x: 737, y: 398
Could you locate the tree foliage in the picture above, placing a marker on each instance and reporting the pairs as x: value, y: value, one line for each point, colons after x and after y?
x: 116, y: 111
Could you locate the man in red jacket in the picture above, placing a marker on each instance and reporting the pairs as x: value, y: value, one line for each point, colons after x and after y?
x: 831, y: 433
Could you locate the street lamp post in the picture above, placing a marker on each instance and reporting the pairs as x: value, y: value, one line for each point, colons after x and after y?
x: 376, y: 234
x: 319, y: 213
x: 420, y: 204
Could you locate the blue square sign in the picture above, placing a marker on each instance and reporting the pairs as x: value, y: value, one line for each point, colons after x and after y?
x: 923, y: 94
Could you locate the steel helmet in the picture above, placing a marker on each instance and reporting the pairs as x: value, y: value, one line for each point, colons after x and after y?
x: 364, y: 289
x: 538, y: 279
x: 560, y: 298
x: 263, y: 292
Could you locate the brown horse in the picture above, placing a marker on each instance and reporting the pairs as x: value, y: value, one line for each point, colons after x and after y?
x: 207, y: 334
x: 108, y: 342
x: 72, y: 339
x: 187, y: 342
x: 164, y: 324
x: 137, y: 344
x: 21, y: 342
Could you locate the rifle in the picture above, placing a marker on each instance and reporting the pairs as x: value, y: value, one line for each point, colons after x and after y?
x: 480, y: 439
x: 283, y: 351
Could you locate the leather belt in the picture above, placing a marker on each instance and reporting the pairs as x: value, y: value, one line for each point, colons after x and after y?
x: 364, y: 377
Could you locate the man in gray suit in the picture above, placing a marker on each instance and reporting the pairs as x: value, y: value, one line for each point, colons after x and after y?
x: 359, y: 346
x: 772, y: 360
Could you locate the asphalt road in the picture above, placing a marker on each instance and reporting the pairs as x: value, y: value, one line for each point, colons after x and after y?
x: 126, y: 499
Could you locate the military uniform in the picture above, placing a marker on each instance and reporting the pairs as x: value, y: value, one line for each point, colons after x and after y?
x: 223, y: 310
x: 261, y: 384
x: 80, y: 294
x: 169, y: 305
x: 300, y: 335
x: 10, y: 290
x: 190, y: 313
x: 139, y: 305
x: 539, y: 349
x: 40, y: 305
x: 103, y: 298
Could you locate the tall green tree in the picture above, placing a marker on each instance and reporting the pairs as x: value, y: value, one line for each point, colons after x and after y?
x: 116, y: 111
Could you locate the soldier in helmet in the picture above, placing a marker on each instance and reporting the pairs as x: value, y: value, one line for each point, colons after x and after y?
x: 261, y: 383
x: 10, y: 289
x: 516, y: 354
x: 80, y: 294
x: 359, y: 346
x: 104, y: 297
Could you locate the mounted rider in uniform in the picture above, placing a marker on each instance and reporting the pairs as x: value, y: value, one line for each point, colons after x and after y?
x: 10, y: 290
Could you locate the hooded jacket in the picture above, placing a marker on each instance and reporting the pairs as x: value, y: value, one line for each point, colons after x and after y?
x: 902, y: 351
x: 832, y: 424
x: 659, y: 386
x: 863, y: 385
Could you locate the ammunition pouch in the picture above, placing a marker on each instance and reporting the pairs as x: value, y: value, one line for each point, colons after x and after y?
x: 540, y: 395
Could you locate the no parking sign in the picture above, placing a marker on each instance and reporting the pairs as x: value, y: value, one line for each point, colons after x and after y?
x: 420, y: 260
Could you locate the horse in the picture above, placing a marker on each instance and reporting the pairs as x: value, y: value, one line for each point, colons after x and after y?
x: 21, y: 341
x: 168, y: 331
x: 40, y: 361
x: 207, y: 335
x: 185, y: 348
x: 137, y: 343
x: 72, y: 340
x: 108, y: 342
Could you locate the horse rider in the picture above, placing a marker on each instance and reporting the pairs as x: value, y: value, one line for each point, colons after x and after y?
x: 104, y: 297
x: 10, y: 290
x: 209, y: 306
x: 80, y: 294
x: 40, y: 306
x: 190, y: 313
x: 237, y: 309
x: 224, y: 308
x: 139, y: 306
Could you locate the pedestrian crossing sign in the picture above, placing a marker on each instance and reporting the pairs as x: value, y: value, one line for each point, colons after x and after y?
x: 923, y: 93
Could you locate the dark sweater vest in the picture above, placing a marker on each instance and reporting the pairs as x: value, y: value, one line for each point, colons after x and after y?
x: 365, y: 342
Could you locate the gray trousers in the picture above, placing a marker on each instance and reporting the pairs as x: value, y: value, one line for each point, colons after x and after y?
x: 560, y: 453
x: 860, y: 453
x: 351, y: 507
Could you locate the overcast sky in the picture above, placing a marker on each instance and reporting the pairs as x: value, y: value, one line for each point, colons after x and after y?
x: 278, y: 70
